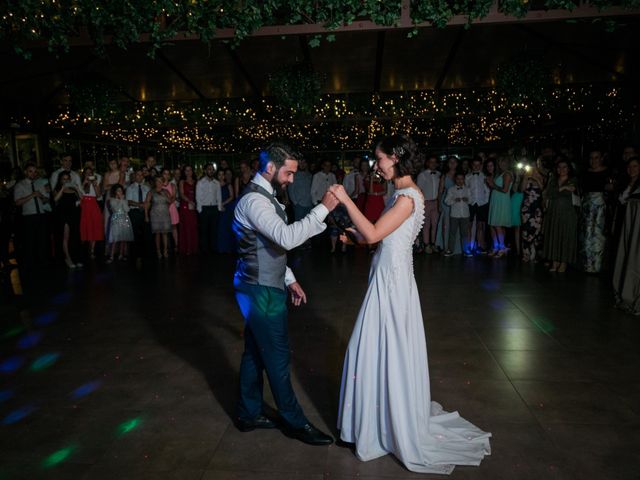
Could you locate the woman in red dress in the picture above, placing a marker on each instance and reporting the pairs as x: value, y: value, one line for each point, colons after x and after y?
x: 188, y: 226
x: 91, y: 220
x: 376, y: 190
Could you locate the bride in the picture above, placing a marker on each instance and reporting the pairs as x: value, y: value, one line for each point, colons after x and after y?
x: 385, y: 399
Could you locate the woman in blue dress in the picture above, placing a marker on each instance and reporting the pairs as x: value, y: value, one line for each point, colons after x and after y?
x: 500, y: 206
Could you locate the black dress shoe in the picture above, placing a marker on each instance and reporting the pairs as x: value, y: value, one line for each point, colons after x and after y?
x: 309, y: 434
x: 259, y: 422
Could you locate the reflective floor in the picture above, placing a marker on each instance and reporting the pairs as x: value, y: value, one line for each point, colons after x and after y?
x: 129, y: 372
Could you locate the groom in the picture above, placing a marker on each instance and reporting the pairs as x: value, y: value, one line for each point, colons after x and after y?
x: 261, y: 282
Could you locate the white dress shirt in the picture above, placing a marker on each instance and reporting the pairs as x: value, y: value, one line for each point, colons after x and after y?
x: 478, y: 190
x: 320, y: 184
x: 208, y: 193
x: 23, y: 189
x: 53, y: 181
x: 459, y: 209
x: 131, y: 193
x: 256, y: 212
x: 429, y: 182
x: 353, y: 183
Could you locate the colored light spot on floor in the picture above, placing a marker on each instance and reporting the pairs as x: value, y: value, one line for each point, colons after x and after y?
x: 29, y: 340
x: 544, y: 325
x: 45, y: 319
x: 128, y: 426
x: 17, y: 415
x: 14, y: 332
x: 490, y: 285
x: 44, y: 361
x: 499, y: 303
x: 58, y: 457
x: 11, y: 364
x: 86, y: 389
x: 61, y: 298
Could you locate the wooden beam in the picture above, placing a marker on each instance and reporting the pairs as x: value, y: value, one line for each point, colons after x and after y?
x: 450, y: 57
x: 179, y: 73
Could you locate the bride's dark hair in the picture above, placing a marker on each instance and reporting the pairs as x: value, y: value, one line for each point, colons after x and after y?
x: 403, y: 148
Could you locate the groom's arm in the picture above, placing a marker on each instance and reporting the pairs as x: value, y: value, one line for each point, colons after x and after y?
x: 260, y: 214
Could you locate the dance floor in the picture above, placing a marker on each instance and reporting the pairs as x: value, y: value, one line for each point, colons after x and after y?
x: 130, y: 372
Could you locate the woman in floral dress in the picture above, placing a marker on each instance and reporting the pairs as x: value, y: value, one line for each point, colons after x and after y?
x: 533, y: 184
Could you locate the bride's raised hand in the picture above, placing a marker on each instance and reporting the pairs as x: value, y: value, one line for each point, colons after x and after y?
x: 339, y: 192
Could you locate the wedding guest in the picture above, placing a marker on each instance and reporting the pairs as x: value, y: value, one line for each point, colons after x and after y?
x: 112, y: 177
x: 446, y: 182
x: 478, y: 206
x: 157, y: 214
x: 91, y: 221
x: 135, y: 195
x: 532, y: 186
x: 376, y: 189
x: 209, y: 206
x: 153, y: 169
x: 321, y: 182
x: 91, y: 164
x: 429, y: 182
x: 517, y: 197
x: 465, y: 166
x: 353, y: 182
x: 7, y: 213
x: 500, y: 206
x: 66, y: 165
x: 31, y: 201
x: 226, y: 237
x: 560, y: 226
x: 243, y: 180
x: 300, y: 191
x: 66, y: 196
x: 188, y: 226
x: 173, y: 210
x: 593, y: 184
x: 626, y: 275
x: 458, y: 201
x: 338, y: 172
x: 120, y: 228
x: 125, y: 171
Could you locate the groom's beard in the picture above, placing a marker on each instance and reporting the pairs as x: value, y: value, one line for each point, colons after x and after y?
x: 278, y: 189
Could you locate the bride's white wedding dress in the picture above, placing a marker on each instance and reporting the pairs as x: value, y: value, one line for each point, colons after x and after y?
x: 385, y: 398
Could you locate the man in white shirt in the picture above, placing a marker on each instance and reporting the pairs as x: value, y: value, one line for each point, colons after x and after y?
x: 321, y: 182
x: 136, y: 194
x: 66, y: 164
x: 478, y: 204
x: 458, y: 199
x: 262, y: 283
x: 209, y: 206
x: 353, y: 182
x: 429, y: 183
x: 32, y: 201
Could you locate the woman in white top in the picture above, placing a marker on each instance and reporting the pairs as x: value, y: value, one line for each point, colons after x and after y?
x: 91, y: 221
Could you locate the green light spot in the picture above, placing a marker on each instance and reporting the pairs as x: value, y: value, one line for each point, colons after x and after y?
x: 129, y: 425
x: 543, y: 325
x: 58, y: 457
x: 14, y: 331
x: 43, y: 362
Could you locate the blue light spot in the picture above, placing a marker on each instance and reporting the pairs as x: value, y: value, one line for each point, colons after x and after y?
x: 6, y: 395
x: 44, y: 361
x: 490, y: 285
x: 11, y: 364
x: 18, y: 415
x: 30, y: 340
x: 499, y: 304
x: 86, y: 389
x: 46, y: 319
x: 61, y: 298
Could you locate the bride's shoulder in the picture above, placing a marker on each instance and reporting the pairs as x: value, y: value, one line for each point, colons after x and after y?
x: 412, y: 192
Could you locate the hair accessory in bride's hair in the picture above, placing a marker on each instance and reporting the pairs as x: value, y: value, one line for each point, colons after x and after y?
x: 398, y: 151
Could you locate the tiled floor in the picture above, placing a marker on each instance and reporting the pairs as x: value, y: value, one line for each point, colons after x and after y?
x: 130, y: 371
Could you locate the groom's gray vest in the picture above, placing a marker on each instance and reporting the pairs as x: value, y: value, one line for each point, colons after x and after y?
x: 260, y: 261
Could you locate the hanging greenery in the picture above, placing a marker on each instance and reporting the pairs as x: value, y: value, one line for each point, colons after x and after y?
x: 522, y: 79
x: 57, y: 23
x: 297, y: 87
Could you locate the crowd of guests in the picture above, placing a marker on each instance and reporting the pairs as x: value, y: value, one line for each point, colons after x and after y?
x: 549, y: 210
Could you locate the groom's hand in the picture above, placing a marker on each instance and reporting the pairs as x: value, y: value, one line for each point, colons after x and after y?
x: 297, y: 294
x: 330, y: 201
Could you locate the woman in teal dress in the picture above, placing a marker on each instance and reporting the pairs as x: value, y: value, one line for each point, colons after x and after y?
x: 500, y: 206
x: 561, y: 219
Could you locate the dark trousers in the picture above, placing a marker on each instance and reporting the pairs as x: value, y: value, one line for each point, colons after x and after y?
x: 266, y: 348
x: 208, y: 220
x: 143, y: 241
x: 34, y: 241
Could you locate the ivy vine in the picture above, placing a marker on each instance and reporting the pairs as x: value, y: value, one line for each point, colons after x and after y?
x: 122, y: 22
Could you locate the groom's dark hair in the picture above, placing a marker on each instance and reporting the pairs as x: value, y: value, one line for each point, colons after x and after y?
x: 276, y: 153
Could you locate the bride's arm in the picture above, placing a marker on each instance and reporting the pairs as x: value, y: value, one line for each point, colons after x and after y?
x: 388, y: 222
